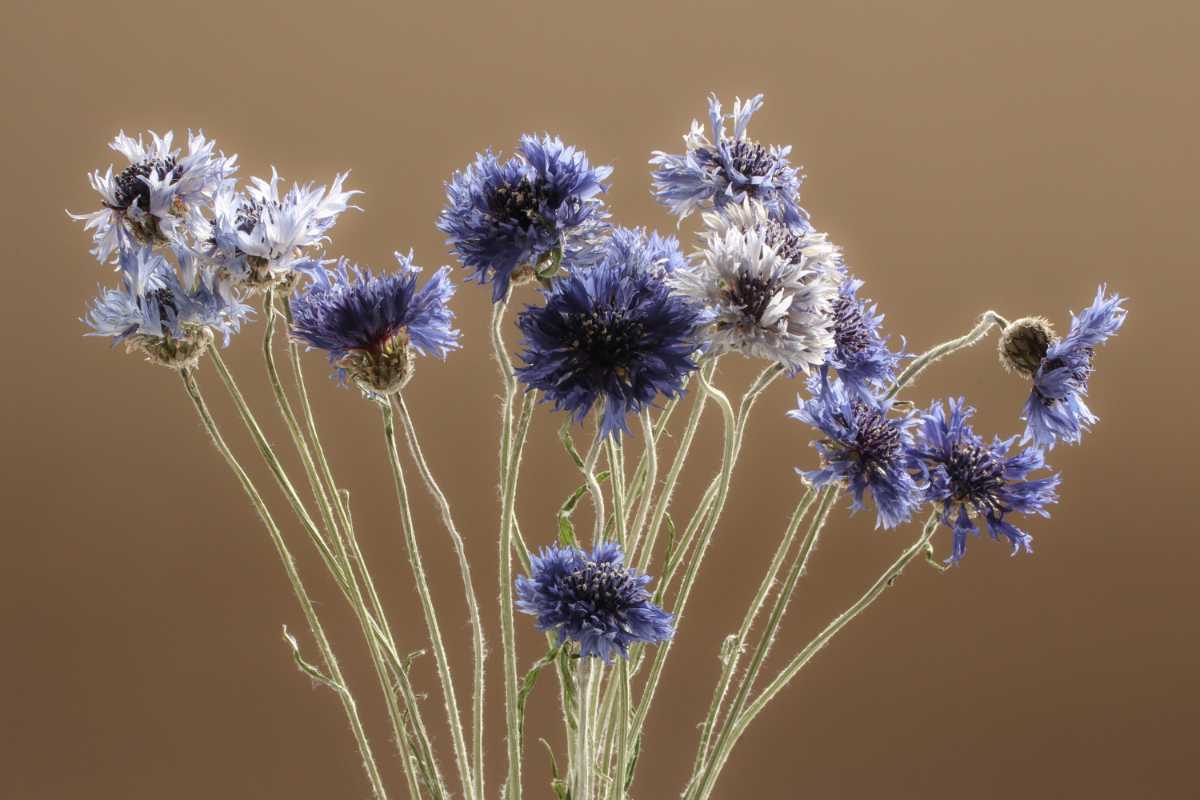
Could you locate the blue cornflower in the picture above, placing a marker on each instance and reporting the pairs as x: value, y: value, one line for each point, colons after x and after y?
x: 157, y: 194
x: 1061, y: 368
x: 169, y: 320
x: 370, y: 324
x: 515, y: 216
x: 712, y: 173
x: 614, y: 332
x: 970, y: 479
x: 864, y: 449
x: 860, y: 354
x: 260, y: 237
x: 592, y: 599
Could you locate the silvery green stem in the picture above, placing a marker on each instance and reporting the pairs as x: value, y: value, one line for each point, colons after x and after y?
x: 508, y: 647
x: 589, y: 474
x: 707, y: 775
x: 293, y: 425
x: 478, y: 644
x: 937, y: 353
x: 421, y: 583
x: 618, y: 778
x: 644, y: 478
x: 335, y: 677
x: 886, y: 580
x: 616, y: 466
x: 672, y: 478
x: 727, y: 463
x: 736, y: 645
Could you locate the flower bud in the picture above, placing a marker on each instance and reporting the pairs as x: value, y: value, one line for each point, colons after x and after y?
x: 1023, y: 344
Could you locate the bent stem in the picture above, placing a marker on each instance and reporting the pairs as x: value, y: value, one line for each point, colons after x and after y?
x: 441, y: 660
x: 882, y: 584
x: 335, y: 679
x: 479, y: 645
x: 736, y: 644
x: 508, y: 490
x: 938, y: 352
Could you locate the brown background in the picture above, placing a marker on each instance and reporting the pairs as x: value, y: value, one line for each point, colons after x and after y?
x: 1010, y: 158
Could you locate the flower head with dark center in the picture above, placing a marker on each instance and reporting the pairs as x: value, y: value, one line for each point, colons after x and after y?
x: 169, y: 319
x: 865, y: 449
x: 260, y: 237
x: 592, y: 599
x: 514, y: 216
x: 1055, y: 409
x: 768, y: 288
x: 156, y: 195
x: 614, y: 332
x: 860, y: 354
x: 722, y: 170
x: 370, y: 325
x: 972, y: 480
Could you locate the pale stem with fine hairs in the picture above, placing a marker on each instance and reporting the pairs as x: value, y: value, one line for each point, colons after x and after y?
x: 882, y: 584
x: 322, y: 492
x: 938, y: 352
x: 421, y: 583
x: 479, y: 650
x: 768, y: 637
x: 736, y: 645
x: 593, y: 483
x: 335, y: 678
x: 727, y: 462
x: 616, y: 471
x: 508, y: 648
x: 648, y: 477
x: 618, y: 779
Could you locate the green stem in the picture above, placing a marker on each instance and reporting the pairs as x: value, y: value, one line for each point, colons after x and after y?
x: 885, y: 581
x: 938, y: 352
x: 479, y: 647
x: 421, y: 581
x: 336, y: 679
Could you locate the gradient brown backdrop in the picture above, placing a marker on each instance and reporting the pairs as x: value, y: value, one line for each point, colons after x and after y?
x: 1010, y: 158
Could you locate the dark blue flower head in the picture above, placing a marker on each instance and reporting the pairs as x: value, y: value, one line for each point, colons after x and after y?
x: 514, y: 216
x: 370, y: 324
x: 592, y: 599
x: 169, y: 318
x: 614, y: 332
x: 712, y: 173
x: 970, y: 479
x: 1055, y: 409
x: 860, y: 354
x: 865, y: 448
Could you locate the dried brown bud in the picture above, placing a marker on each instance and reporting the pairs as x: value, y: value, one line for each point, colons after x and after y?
x: 1023, y: 344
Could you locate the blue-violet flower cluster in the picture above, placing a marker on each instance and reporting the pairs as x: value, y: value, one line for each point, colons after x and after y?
x: 592, y: 599
x: 370, y: 324
x: 536, y: 211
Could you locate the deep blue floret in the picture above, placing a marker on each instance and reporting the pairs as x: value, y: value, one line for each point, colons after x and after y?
x: 614, y: 332
x: 970, y: 479
x: 714, y: 172
x: 501, y: 216
x: 860, y: 354
x: 351, y: 309
x: 592, y: 599
x: 1055, y: 409
x: 864, y: 449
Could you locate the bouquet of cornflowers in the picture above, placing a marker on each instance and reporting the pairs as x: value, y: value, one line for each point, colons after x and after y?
x: 623, y: 323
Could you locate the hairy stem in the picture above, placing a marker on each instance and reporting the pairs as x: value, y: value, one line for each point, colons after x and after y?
x: 938, y: 352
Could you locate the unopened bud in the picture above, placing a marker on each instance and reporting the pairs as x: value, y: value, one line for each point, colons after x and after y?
x: 1023, y: 344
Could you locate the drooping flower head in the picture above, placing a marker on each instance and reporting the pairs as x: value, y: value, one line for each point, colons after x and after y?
x: 592, y: 599
x: 1060, y: 369
x: 519, y: 215
x: 860, y: 353
x: 155, y: 195
x: 973, y: 480
x: 722, y: 170
x: 769, y: 288
x: 614, y: 332
x: 259, y: 237
x: 370, y: 325
x: 170, y: 320
x: 865, y: 449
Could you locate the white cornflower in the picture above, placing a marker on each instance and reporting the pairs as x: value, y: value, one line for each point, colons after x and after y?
x: 769, y: 288
x: 158, y: 192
